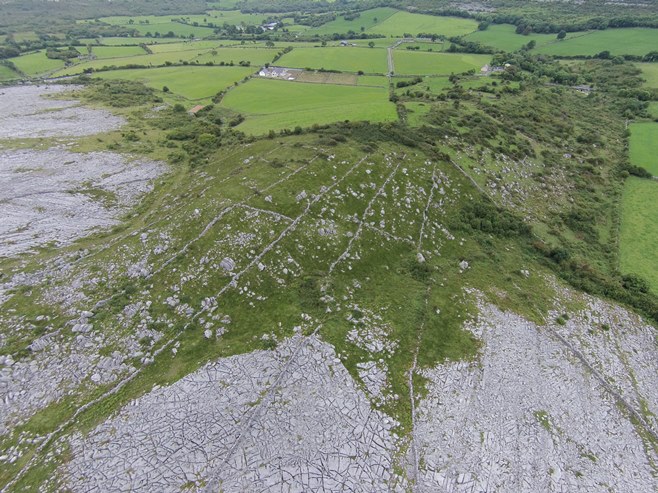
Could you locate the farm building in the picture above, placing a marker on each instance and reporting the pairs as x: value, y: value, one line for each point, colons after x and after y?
x: 282, y: 73
x: 196, y: 109
x: 488, y: 69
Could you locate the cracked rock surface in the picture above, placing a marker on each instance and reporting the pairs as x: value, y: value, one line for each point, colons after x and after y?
x: 55, y: 196
x: 27, y: 112
x: 285, y: 420
x: 527, y: 417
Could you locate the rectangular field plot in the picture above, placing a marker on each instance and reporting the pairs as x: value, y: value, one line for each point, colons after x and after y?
x: 117, y: 51
x: 639, y: 230
x: 644, y: 146
x: 255, y: 56
x: 36, y: 63
x: 345, y: 59
x: 144, y: 60
x: 424, y: 63
x: 221, y: 56
x: 275, y: 105
x: 199, y: 46
x: 649, y: 74
x: 503, y: 37
x: 368, y: 19
x: 404, y: 22
x: 127, y: 41
x: 189, y: 82
x: 436, y: 46
x: 625, y: 41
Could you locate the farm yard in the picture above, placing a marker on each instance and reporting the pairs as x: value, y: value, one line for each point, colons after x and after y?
x: 424, y: 63
x: 344, y: 59
x: 275, y: 105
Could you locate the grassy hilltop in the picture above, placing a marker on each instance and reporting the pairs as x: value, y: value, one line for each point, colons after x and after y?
x: 396, y: 199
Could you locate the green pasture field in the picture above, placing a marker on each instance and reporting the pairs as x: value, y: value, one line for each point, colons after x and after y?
x: 161, y: 24
x: 257, y: 56
x: 180, y: 30
x: 405, y: 22
x: 424, y: 63
x: 503, y: 37
x: 116, y: 51
x: 625, y: 41
x: 416, y: 112
x: 193, y: 83
x: 229, y: 16
x: 147, y: 60
x: 125, y: 41
x: 275, y: 105
x: 254, y: 55
x: 644, y: 146
x: 373, y: 80
x: 345, y: 59
x: 437, y: 46
x: 208, y: 45
x: 7, y: 74
x: 368, y: 19
x: 37, y: 63
x: 379, y: 42
x: 650, y: 74
x: 639, y: 230
x: 185, y: 46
